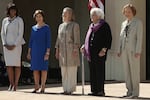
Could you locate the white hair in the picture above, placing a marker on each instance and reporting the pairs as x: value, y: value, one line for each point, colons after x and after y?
x: 99, y: 12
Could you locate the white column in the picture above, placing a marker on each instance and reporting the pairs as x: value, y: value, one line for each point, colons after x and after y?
x: 113, y: 15
x: 141, y: 14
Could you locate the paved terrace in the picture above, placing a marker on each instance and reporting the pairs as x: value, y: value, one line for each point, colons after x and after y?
x: 114, y: 91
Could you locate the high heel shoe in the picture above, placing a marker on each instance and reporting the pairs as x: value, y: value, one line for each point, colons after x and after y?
x: 35, y: 90
x: 42, y: 89
x: 13, y: 88
x: 10, y: 87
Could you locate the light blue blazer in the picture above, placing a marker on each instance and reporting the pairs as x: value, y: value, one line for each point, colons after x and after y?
x: 12, y: 31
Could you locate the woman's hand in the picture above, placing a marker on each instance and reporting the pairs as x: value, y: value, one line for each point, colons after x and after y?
x: 57, y: 54
x: 137, y: 55
x: 10, y: 47
x: 28, y: 56
x: 102, y: 52
x: 118, y: 54
x: 46, y: 57
x: 75, y: 53
x: 82, y: 49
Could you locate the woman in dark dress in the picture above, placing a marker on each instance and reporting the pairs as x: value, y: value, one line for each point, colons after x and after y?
x: 97, y: 42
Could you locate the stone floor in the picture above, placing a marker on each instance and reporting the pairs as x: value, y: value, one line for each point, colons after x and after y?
x: 114, y: 91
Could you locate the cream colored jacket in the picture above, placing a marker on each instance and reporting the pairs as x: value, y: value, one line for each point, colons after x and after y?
x: 134, y: 38
x: 68, y: 40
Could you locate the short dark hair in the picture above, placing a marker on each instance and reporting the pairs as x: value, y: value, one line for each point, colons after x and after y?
x: 11, y: 6
x: 133, y: 9
x: 38, y: 12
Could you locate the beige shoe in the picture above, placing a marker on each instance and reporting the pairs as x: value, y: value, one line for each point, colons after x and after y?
x: 42, y: 89
x: 10, y: 87
x: 132, y: 97
x: 126, y: 96
x: 13, y: 88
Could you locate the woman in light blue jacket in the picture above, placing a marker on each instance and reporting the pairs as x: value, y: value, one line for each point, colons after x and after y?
x: 12, y: 40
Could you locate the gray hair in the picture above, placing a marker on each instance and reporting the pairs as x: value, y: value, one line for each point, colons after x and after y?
x: 99, y: 12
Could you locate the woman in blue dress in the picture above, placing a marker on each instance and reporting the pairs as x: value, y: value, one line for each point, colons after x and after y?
x: 39, y: 50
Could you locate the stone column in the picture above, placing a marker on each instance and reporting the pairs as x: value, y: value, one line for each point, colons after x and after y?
x: 141, y: 14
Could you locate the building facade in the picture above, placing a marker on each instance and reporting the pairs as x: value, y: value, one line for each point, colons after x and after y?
x: 113, y: 15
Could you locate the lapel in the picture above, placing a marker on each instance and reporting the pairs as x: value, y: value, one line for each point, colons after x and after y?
x: 7, y: 22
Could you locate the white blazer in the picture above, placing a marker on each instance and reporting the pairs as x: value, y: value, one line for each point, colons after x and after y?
x: 134, y: 38
x: 12, y: 31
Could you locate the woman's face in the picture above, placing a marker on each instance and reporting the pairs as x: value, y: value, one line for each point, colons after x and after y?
x: 128, y: 13
x: 66, y: 16
x: 39, y: 18
x: 94, y: 18
x: 12, y: 12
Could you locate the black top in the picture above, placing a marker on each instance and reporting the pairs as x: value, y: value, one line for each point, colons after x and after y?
x: 102, y: 38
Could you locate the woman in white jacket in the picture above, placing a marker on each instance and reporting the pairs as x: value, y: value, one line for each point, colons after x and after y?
x: 130, y: 49
x: 12, y: 40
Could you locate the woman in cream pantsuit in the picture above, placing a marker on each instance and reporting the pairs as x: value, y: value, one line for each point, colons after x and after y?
x: 67, y: 50
x: 130, y: 48
x: 12, y: 40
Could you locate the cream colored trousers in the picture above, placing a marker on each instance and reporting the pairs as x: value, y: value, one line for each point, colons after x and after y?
x: 69, y: 78
x: 132, y: 71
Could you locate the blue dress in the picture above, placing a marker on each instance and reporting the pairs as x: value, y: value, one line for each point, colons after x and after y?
x: 40, y: 40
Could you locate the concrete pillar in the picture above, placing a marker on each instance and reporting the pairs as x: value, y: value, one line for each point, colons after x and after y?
x: 82, y: 17
x: 114, y: 17
x: 141, y: 13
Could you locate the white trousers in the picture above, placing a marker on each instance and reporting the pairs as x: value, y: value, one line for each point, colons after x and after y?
x: 132, y: 72
x: 69, y: 78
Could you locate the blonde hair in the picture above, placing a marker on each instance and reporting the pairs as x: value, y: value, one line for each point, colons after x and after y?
x: 70, y: 10
x: 133, y: 9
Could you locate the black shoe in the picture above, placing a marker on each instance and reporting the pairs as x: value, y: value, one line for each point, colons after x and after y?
x: 35, y: 90
x: 100, y: 94
x: 67, y: 93
x: 62, y: 93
